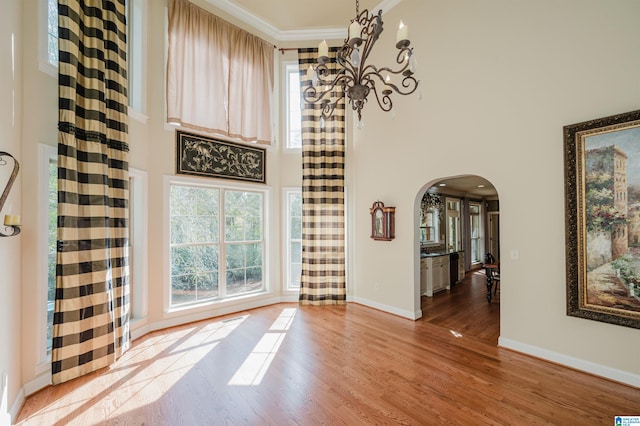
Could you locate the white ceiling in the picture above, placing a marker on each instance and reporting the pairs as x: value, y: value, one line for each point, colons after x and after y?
x: 300, y: 19
x: 469, y: 186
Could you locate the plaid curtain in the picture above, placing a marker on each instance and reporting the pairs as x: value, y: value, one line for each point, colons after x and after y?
x: 323, y: 255
x: 91, y: 314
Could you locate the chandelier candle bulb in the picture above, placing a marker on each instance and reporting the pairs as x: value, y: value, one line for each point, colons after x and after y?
x: 310, y: 72
x: 354, y: 30
x: 11, y: 220
x: 323, y: 49
x: 403, y: 32
x: 387, y: 89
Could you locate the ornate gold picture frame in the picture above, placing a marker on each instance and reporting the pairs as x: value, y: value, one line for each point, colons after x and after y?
x: 602, y: 202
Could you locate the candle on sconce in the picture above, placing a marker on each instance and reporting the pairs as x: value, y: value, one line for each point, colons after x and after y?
x: 387, y: 80
x: 11, y: 220
x: 323, y: 49
x: 403, y: 32
x: 354, y: 30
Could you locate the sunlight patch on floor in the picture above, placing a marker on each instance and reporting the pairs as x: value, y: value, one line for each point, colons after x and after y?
x: 255, y: 366
x: 283, y: 322
x: 170, y: 357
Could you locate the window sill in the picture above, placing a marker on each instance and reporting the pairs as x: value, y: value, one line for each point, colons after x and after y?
x: 138, y: 116
x: 216, y: 304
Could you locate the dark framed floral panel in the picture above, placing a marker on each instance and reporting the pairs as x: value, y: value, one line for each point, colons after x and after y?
x: 602, y: 202
x: 205, y: 156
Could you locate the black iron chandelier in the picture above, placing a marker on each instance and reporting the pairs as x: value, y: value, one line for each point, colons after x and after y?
x: 356, y: 77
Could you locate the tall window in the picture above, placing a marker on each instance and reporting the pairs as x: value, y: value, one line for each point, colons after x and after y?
x: 217, y: 243
x: 293, y: 111
x: 52, y: 32
x: 293, y: 238
x: 52, y: 218
x: 476, y: 232
x: 429, y: 226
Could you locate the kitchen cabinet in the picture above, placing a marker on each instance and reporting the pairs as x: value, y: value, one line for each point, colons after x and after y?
x: 434, y: 274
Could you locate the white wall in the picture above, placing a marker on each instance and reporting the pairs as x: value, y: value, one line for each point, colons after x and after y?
x: 499, y: 80
x: 10, y: 136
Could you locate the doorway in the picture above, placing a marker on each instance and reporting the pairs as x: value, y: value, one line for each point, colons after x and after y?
x: 463, y: 212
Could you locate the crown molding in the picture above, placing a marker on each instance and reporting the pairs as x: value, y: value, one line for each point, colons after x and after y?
x: 291, y: 35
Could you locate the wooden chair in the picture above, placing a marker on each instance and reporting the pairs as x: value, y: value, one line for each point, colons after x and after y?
x: 492, y: 271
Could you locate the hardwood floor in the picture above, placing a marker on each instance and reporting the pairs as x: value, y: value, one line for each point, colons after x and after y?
x: 291, y: 365
x: 465, y: 309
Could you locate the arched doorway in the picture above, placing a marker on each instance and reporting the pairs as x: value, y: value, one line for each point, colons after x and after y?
x: 458, y: 224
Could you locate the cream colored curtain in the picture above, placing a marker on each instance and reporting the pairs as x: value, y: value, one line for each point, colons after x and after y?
x: 219, y: 77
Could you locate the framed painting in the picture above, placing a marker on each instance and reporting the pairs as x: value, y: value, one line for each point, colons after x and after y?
x: 602, y: 202
x: 205, y: 156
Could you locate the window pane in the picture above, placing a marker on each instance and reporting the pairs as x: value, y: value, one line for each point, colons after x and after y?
x: 294, y: 133
x: 296, y: 271
x: 194, y: 215
x: 51, y: 246
x: 296, y: 252
x: 243, y: 216
x: 194, y: 273
x: 235, y: 256
x: 183, y: 289
x: 254, y: 254
x: 52, y: 32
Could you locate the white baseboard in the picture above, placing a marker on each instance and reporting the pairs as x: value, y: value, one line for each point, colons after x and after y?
x: 16, y: 406
x: 569, y: 361
x: 41, y: 381
x: 389, y: 309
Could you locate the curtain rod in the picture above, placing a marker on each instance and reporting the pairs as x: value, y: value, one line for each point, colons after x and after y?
x: 283, y: 49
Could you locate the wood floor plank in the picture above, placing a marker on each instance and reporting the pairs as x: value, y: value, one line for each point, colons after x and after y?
x: 347, y: 365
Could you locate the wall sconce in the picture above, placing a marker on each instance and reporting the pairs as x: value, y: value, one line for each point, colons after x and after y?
x: 11, y: 222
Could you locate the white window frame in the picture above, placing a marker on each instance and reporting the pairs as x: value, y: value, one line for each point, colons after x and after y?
x: 137, y: 12
x: 43, y: 41
x: 435, y: 215
x: 138, y: 237
x: 480, y: 237
x: 290, y: 67
x: 453, y: 213
x: 287, y: 240
x: 222, y: 186
x: 46, y: 154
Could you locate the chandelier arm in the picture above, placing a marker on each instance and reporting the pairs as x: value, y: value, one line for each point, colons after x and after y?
x: 404, y: 53
x: 310, y: 93
x: 384, y: 101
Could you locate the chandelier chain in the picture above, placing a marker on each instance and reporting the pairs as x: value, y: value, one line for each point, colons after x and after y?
x: 357, y: 8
